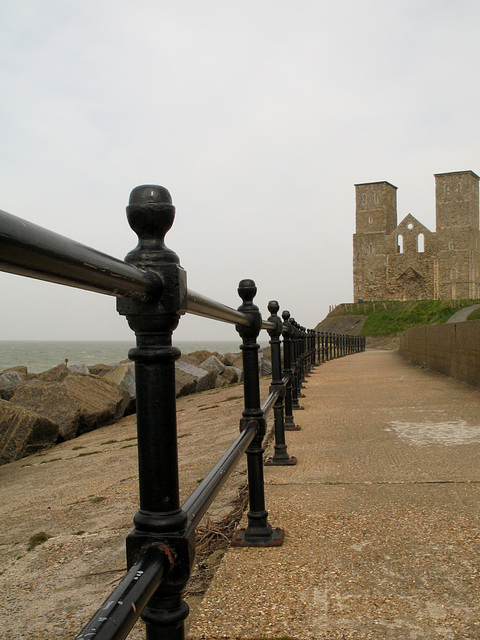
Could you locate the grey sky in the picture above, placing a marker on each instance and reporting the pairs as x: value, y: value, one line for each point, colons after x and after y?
x: 258, y: 116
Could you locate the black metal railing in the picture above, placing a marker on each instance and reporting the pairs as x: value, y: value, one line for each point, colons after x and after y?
x: 151, y: 291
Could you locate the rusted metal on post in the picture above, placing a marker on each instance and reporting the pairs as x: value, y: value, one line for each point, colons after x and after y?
x: 281, y: 456
x: 258, y: 532
x: 160, y: 518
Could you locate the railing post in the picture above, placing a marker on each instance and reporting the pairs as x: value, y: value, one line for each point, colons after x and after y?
x: 288, y: 372
x: 314, y: 344
x: 300, y: 357
x: 296, y: 373
x: 259, y: 532
x: 280, y: 456
x: 160, y: 518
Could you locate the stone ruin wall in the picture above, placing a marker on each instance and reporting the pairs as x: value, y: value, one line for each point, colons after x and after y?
x: 408, y: 261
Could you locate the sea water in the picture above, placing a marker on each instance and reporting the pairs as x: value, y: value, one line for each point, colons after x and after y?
x: 39, y: 356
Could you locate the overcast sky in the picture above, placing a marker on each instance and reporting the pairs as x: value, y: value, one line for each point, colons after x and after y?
x: 259, y: 116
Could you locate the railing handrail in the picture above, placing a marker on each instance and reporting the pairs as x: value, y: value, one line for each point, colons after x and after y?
x: 200, y: 305
x: 27, y: 249
x: 161, y: 548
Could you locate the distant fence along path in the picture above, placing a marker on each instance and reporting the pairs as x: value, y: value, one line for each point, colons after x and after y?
x: 452, y: 349
x: 151, y: 291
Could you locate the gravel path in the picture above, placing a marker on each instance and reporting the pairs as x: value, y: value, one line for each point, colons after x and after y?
x: 381, y: 514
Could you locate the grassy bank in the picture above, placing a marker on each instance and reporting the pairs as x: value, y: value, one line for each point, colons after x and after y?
x: 393, y: 317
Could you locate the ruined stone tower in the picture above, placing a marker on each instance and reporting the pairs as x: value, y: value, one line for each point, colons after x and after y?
x: 409, y: 262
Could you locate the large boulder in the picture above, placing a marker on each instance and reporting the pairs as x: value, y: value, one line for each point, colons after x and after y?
x: 184, y: 383
x: 75, y: 402
x: 78, y: 367
x: 11, y: 378
x: 196, y: 357
x: 204, y: 379
x: 56, y: 374
x: 123, y: 375
x: 20, y: 369
x: 233, y: 374
x: 227, y: 358
x: 212, y: 363
x: 23, y: 432
x: 264, y: 363
x: 101, y: 369
x: 9, y: 381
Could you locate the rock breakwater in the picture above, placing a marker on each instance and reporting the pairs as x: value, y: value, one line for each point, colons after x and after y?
x: 38, y: 411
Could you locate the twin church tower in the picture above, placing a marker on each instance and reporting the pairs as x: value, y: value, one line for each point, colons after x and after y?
x: 406, y: 261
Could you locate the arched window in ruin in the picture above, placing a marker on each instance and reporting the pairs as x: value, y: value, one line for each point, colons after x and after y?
x: 420, y: 243
x: 400, y: 243
x: 376, y: 198
x: 454, y: 274
x: 364, y: 198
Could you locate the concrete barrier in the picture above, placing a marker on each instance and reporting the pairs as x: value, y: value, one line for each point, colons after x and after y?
x: 451, y: 349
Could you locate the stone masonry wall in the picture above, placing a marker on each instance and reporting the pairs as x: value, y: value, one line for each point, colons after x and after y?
x: 408, y: 261
x: 452, y: 349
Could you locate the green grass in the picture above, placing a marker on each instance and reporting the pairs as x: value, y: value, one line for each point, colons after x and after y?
x: 37, y: 539
x: 475, y: 315
x: 393, y: 317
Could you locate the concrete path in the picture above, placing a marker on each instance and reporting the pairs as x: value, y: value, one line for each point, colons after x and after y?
x: 463, y: 314
x: 381, y: 514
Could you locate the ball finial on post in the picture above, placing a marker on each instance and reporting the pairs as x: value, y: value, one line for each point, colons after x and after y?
x: 247, y: 290
x: 273, y: 307
x: 150, y: 214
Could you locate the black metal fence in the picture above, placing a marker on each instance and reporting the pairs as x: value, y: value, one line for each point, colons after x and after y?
x: 151, y: 291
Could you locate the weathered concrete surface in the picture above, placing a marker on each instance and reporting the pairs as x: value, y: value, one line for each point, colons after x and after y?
x: 83, y: 494
x: 451, y: 349
x: 381, y: 513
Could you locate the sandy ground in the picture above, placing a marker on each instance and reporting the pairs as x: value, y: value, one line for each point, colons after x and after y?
x: 83, y: 494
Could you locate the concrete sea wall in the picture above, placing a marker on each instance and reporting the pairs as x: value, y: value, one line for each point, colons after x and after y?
x: 452, y: 349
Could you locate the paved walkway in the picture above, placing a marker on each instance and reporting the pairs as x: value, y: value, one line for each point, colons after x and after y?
x: 381, y: 513
x: 463, y: 314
